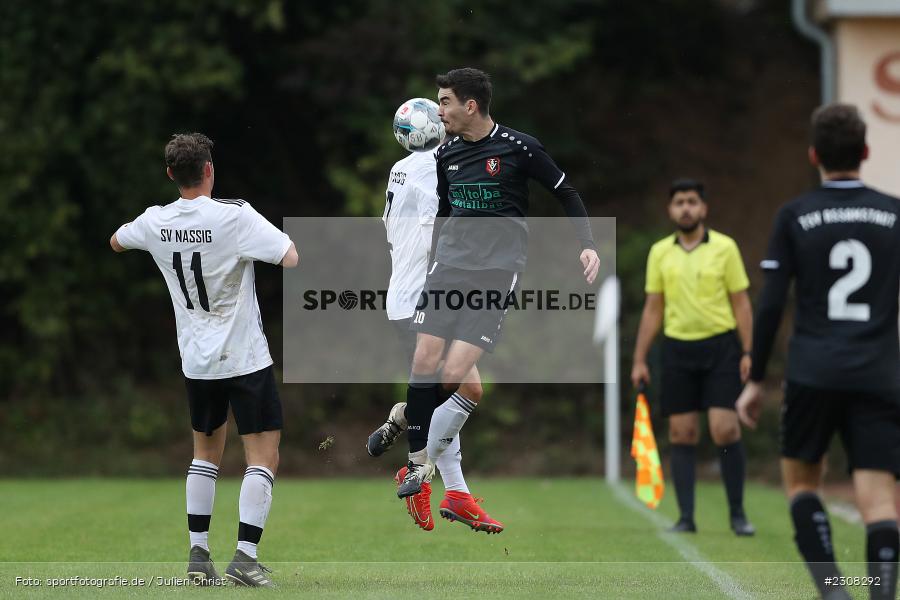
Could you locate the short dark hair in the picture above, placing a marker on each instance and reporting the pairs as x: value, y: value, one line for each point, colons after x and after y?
x: 469, y: 84
x: 687, y: 185
x: 186, y: 155
x: 839, y: 136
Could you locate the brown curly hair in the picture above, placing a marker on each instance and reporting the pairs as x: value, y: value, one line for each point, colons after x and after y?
x: 186, y: 155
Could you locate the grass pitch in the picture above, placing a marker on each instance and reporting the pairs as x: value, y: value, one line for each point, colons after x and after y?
x: 341, y: 538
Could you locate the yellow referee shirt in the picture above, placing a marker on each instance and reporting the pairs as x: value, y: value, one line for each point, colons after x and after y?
x: 695, y: 285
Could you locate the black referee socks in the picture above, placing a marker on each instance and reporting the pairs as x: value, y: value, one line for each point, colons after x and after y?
x: 683, y: 474
x: 812, y: 533
x: 882, y: 548
x: 732, y: 462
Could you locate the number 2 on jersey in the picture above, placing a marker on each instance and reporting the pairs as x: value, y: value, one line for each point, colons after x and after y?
x: 841, y: 253
x: 197, y: 268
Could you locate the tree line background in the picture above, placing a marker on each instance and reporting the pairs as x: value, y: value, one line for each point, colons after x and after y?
x: 299, y: 97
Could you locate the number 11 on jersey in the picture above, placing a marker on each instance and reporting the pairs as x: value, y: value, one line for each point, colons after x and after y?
x: 197, y: 268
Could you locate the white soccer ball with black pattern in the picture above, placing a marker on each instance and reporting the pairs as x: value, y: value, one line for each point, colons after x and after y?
x: 417, y: 126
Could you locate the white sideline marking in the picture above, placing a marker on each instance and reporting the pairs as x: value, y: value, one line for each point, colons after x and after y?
x: 723, y: 580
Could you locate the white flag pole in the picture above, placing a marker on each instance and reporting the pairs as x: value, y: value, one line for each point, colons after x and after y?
x: 606, y: 332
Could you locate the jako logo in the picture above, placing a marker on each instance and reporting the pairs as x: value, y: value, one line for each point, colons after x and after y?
x: 453, y: 168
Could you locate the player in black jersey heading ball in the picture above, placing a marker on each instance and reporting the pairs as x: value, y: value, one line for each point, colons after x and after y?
x: 482, y: 171
x: 840, y: 243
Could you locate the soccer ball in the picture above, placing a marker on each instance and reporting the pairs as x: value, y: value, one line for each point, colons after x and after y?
x: 417, y: 126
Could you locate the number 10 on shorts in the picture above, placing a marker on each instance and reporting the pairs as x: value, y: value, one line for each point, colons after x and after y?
x: 419, y: 317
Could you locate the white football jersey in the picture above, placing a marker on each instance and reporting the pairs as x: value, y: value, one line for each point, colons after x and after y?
x: 409, y: 218
x: 205, y: 249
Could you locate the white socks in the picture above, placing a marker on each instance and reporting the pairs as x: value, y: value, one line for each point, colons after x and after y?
x: 201, y: 492
x: 256, y: 499
x: 450, y: 466
x: 419, y: 457
x: 447, y: 420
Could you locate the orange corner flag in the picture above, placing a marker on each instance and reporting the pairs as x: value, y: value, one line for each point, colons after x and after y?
x: 648, y: 483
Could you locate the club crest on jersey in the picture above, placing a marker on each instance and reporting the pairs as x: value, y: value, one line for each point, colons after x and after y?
x: 492, y: 165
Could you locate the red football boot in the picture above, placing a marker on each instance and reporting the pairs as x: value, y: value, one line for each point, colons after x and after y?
x: 418, y: 505
x: 460, y: 506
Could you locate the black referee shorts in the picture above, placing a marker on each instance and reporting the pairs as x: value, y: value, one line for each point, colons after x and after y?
x: 702, y: 374
x: 460, y: 304
x: 867, y: 421
x: 253, y: 399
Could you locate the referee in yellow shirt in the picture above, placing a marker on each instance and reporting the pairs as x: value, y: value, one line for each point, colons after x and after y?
x: 697, y: 286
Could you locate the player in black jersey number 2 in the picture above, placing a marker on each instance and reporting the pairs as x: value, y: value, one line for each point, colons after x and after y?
x: 841, y: 245
x: 482, y: 171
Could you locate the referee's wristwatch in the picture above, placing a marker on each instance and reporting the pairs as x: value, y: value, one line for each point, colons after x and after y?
x: 746, y: 353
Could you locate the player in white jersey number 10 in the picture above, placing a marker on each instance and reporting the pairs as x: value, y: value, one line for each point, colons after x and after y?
x: 205, y: 248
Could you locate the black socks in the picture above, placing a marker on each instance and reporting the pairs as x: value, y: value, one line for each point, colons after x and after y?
x: 423, y: 396
x: 732, y: 462
x: 812, y: 533
x: 882, y: 547
x: 420, y: 405
x: 683, y: 474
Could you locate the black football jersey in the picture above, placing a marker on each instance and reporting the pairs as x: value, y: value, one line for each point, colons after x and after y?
x: 841, y: 245
x: 489, y: 178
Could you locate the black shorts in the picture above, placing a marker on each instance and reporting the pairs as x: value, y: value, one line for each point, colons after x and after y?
x: 253, y: 399
x: 868, y: 423
x: 459, y: 304
x: 702, y: 374
x: 406, y: 336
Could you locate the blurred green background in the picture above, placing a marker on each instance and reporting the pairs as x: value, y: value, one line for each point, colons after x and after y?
x: 299, y: 98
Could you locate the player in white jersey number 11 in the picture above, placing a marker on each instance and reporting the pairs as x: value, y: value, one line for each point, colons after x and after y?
x: 205, y: 249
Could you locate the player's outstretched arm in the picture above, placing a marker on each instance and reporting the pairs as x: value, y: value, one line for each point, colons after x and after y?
x: 542, y: 168
x: 651, y: 321
x: 291, y: 258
